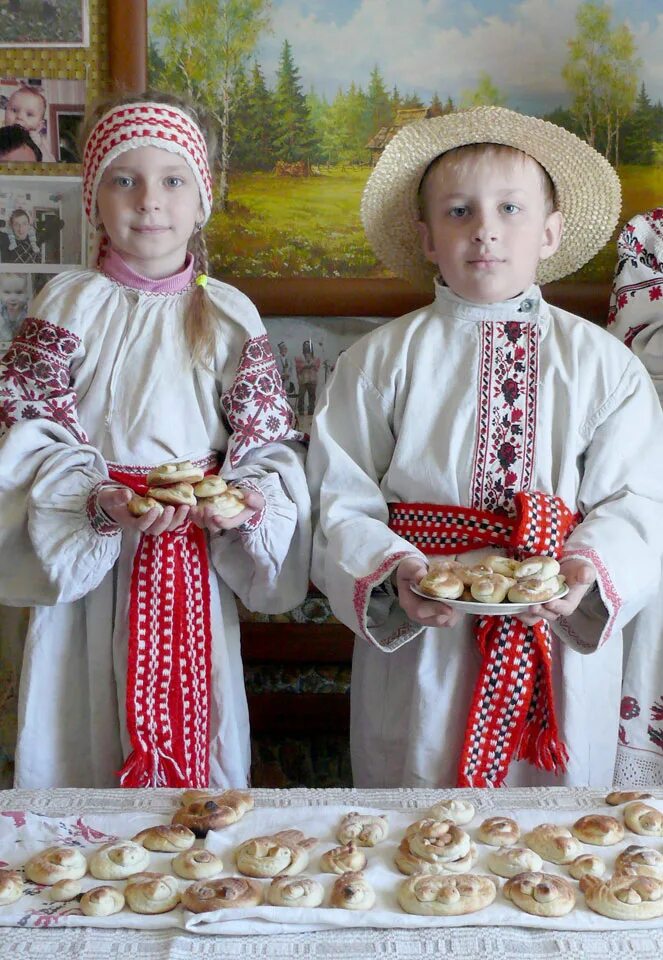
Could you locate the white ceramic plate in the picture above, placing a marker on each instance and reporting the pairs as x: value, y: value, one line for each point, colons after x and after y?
x: 486, y: 609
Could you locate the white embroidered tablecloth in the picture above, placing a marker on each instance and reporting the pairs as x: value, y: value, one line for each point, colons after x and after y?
x: 32, y: 820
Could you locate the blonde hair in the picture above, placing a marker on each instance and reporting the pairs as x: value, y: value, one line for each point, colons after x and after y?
x: 200, y: 325
x: 460, y: 158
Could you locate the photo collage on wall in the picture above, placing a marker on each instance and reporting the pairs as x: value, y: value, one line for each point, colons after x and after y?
x: 42, y: 228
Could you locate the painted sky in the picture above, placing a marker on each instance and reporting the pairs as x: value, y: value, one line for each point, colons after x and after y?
x: 441, y: 45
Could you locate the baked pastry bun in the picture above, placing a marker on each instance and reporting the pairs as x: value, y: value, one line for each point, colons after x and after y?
x: 152, y: 894
x: 118, y: 860
x: 446, y: 896
x: 102, y: 901
x: 599, y: 830
x: 295, y: 892
x: 169, y: 473
x: 624, y: 897
x: 541, y: 894
x: 492, y: 588
x: 458, y: 811
x: 510, y: 861
x: 534, y: 590
x: 202, y: 811
x: 56, y: 863
x: 475, y: 572
x: 616, y: 797
x: 499, y: 832
x: 210, y: 487
x: 640, y: 861
x: 504, y: 565
x: 441, y: 583
x: 644, y: 820
x: 224, y: 893
x: 366, y: 830
x: 197, y: 864
x: 11, y: 886
x: 352, y: 891
x: 435, y: 847
x: 180, y: 494
x: 139, y: 506
x: 166, y: 838
x: 284, y: 853
x: 64, y: 890
x: 346, y: 859
x: 554, y: 843
x: 543, y: 568
x: 586, y: 865
x: 228, y: 504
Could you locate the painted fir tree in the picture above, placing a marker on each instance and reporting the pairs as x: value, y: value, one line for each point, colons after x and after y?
x: 294, y: 137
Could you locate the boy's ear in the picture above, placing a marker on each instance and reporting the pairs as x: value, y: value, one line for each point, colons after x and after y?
x: 426, y: 239
x: 552, y: 234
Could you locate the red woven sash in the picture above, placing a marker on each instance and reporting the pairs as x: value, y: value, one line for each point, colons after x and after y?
x: 169, y: 657
x: 512, y: 710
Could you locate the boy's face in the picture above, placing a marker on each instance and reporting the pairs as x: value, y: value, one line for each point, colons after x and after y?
x: 26, y: 109
x: 486, y: 226
x: 20, y: 225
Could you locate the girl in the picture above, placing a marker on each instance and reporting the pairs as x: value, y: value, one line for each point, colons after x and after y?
x: 132, y: 660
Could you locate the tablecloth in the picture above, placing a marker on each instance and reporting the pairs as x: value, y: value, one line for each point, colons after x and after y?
x: 306, y: 808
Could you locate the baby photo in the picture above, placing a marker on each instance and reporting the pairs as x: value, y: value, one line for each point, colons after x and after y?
x: 40, y: 119
x: 41, y: 221
x: 15, y: 294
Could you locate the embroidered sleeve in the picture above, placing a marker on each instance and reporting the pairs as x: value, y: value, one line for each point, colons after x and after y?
x: 637, y: 295
x: 35, y: 378
x: 256, y: 406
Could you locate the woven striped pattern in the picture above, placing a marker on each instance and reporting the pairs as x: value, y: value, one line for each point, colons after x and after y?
x: 512, y: 711
x: 144, y: 125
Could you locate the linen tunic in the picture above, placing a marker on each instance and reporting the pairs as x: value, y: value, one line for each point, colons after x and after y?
x: 636, y: 317
x: 109, y: 381
x: 467, y: 404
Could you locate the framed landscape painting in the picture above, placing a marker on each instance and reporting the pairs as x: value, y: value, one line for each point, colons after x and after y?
x: 307, y: 94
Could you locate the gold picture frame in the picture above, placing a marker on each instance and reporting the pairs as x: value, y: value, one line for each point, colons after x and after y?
x: 127, y: 50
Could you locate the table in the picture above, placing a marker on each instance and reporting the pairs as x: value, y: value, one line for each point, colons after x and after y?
x: 469, y: 943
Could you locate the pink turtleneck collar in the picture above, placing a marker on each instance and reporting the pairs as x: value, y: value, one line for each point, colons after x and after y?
x: 114, y: 267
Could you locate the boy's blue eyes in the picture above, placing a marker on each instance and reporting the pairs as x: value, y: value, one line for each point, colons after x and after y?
x: 458, y: 212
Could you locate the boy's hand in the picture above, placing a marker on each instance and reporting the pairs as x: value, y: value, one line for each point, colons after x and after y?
x: 206, y: 518
x: 429, y: 613
x: 113, y: 501
x: 580, y: 577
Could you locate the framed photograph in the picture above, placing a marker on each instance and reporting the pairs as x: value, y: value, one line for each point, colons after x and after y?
x: 302, y: 128
x: 40, y: 119
x: 44, y: 23
x: 42, y: 228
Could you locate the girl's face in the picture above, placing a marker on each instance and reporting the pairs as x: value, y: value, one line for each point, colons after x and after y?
x: 148, y: 202
x: 26, y: 109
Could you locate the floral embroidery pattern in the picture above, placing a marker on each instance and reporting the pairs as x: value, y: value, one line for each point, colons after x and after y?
x: 634, y: 254
x: 256, y: 405
x: 504, y: 450
x: 35, y: 377
x: 655, y: 734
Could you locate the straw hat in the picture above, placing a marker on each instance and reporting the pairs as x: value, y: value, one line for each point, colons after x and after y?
x: 588, y: 192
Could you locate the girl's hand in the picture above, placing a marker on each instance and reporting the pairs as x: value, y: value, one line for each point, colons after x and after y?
x: 113, y: 501
x: 206, y: 518
x: 580, y: 577
x: 429, y: 613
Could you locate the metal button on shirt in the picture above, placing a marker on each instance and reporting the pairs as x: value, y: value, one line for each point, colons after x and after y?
x: 525, y: 306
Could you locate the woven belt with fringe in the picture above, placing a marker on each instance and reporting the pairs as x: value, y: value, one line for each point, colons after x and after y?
x: 512, y: 710
x: 169, y: 654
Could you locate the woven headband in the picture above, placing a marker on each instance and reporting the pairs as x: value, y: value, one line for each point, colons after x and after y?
x: 144, y: 125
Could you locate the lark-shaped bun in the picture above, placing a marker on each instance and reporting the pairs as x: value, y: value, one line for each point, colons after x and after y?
x: 345, y: 859
x: 509, y: 861
x: 64, y: 890
x: 56, y: 863
x: 197, y: 864
x: 643, y: 819
x: 202, y: 811
x: 119, y: 860
x: 364, y: 829
x: 640, y: 861
x: 285, y: 853
x: 458, y: 811
x: 554, y: 843
x: 102, y: 901
x: 599, y: 830
x: 586, y: 865
x: 352, y: 891
x: 541, y: 894
x: 499, y: 832
x: 295, y: 892
x: 446, y: 896
x: 152, y: 895
x: 169, y: 473
x: 617, y: 797
x: 435, y: 847
x: 224, y: 893
x: 166, y: 838
x: 11, y: 886
x: 624, y: 897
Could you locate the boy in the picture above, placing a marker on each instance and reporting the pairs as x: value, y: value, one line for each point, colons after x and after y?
x: 491, y: 419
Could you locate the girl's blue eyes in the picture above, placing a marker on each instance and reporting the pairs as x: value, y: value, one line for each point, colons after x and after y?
x: 130, y: 182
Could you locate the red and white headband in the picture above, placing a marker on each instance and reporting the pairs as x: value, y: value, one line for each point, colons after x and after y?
x: 144, y: 125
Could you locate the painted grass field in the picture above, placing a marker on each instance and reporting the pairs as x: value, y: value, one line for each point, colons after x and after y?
x: 309, y: 226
